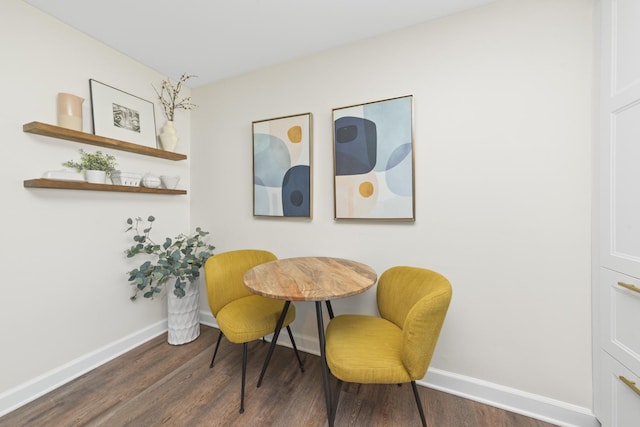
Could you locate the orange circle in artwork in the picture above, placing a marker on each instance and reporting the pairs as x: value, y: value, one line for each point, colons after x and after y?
x: 295, y: 134
x: 366, y: 189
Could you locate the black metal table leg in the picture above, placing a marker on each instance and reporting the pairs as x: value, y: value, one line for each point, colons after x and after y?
x: 329, y: 309
x: 272, y: 346
x: 323, y: 362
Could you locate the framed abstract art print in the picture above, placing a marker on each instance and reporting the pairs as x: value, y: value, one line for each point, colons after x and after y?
x: 374, y: 161
x: 282, y: 166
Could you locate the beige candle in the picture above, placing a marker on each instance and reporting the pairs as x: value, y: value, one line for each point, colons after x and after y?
x: 70, y: 111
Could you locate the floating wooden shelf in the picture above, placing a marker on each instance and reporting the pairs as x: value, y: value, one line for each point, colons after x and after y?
x: 39, y: 128
x: 77, y: 185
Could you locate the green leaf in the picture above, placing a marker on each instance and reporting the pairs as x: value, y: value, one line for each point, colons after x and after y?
x: 167, y: 243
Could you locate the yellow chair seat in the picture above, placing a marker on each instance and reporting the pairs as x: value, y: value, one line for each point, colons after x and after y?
x: 252, y: 317
x: 365, y: 349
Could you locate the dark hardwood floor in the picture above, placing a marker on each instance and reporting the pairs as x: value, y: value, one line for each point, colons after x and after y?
x: 157, y: 384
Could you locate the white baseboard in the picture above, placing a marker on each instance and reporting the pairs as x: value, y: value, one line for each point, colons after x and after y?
x: 31, y: 390
x: 206, y: 318
x: 513, y: 400
x: 531, y: 405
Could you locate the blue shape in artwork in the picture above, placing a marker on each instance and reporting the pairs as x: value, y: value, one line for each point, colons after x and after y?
x: 398, y: 173
x: 356, y: 145
x: 393, y: 122
x: 296, y: 200
x: 270, y: 160
x: 261, y: 200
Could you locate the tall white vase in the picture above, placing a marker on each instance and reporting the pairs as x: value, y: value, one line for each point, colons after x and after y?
x: 168, y: 136
x: 184, y: 315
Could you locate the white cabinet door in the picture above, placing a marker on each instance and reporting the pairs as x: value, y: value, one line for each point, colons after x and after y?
x: 620, y: 322
x: 620, y: 136
x: 616, y: 308
x: 621, y: 391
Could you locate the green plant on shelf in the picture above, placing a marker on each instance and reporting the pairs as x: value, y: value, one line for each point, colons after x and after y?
x: 97, y: 161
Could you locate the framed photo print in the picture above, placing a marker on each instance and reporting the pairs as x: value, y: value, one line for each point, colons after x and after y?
x: 282, y: 166
x: 373, y: 160
x: 120, y: 115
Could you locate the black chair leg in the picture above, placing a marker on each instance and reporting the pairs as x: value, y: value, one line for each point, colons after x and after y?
x: 215, y: 351
x: 293, y: 343
x: 417, y: 396
x: 244, y: 375
x: 334, y: 406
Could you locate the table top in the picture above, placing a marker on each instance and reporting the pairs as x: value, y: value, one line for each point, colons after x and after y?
x: 310, y: 278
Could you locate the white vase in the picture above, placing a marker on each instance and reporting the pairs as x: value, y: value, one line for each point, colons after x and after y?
x: 95, y: 177
x: 168, y: 136
x: 184, y: 315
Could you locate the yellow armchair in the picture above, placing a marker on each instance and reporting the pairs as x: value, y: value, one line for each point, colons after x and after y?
x: 241, y: 315
x: 396, y: 347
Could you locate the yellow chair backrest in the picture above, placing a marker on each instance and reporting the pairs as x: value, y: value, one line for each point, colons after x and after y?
x: 416, y: 300
x: 223, y: 274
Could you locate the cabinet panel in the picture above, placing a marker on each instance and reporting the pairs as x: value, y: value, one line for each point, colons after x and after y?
x: 620, y: 316
x: 626, y: 31
x: 620, y: 395
x: 619, y: 130
x: 625, y: 172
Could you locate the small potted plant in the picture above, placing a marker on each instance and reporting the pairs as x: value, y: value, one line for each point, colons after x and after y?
x: 180, y: 258
x: 96, y: 166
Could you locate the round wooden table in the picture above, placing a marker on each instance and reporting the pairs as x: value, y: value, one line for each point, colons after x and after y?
x: 309, y: 279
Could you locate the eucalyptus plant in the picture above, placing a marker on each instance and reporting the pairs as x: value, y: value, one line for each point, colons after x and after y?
x: 179, y: 258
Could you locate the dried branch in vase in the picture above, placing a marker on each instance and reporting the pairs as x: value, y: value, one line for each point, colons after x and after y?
x: 169, y: 96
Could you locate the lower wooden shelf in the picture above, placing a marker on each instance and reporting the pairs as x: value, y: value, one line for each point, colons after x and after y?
x: 76, y: 185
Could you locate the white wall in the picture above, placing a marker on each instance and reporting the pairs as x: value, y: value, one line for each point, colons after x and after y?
x: 64, y: 290
x: 502, y: 103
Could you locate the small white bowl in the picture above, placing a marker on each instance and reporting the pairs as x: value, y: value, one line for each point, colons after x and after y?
x: 170, y: 182
x: 150, y: 181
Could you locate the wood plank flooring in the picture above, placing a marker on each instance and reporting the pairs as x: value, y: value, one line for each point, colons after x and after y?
x: 157, y: 384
